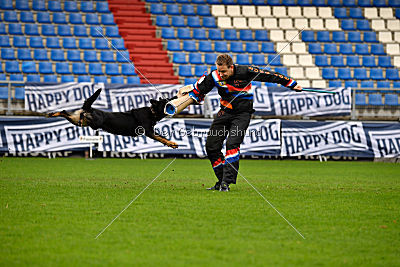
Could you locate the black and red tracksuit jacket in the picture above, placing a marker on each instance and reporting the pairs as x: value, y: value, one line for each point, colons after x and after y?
x: 236, y: 92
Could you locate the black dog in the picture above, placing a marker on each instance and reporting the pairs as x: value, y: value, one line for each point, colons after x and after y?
x: 131, y: 123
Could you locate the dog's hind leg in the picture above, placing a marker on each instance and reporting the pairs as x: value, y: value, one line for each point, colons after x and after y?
x: 161, y: 139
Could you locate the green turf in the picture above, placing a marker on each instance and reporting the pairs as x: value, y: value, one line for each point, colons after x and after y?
x: 51, y: 210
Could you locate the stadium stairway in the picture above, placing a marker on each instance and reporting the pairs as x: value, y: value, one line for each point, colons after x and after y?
x: 145, y: 49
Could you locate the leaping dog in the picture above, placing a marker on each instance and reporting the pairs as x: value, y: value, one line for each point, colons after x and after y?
x: 130, y: 123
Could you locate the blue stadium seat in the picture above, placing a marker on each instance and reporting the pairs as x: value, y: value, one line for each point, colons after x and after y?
x: 267, y: 47
x: 193, y: 21
x: 40, y: 54
x: 334, y: 3
x: 315, y: 48
x: 45, y: 68
x: 221, y: 47
x: 237, y: 47
x: 4, y: 41
x: 64, y: 30
x: 79, y: 68
x: 379, y: 3
x: 174, y: 45
x: 360, y: 74
x: 39, y: 5
x: 117, y: 79
x: 16, y: 77
x: 369, y: 61
x: 199, y: 34
x: 328, y: 73
x: 102, y: 7
x: 318, y: 3
x: 375, y: 99
x: 43, y: 17
x: 71, y: 6
x: 168, y: 33
x: 113, y: 69
x: 321, y: 61
x: 334, y: 83
x: 258, y: 60
x: 33, y: 78
x: 24, y: 54
x: 288, y: 3
x: 87, y: 6
x: 214, y: 34
x: 107, y: 56
x: 370, y: 37
x: 118, y: 44
x: 184, y: 33
x: 190, y: 46
x: 178, y: 21
x: 57, y: 55
x: 26, y: 16
x: 383, y: 84
x: 281, y: 70
x: 195, y: 58
x: 367, y: 84
x: 363, y: 25
x: 351, y: 84
x: 49, y: 30
x: 353, y: 61
x: 330, y: 48
x: 210, y: 58
x: 348, y: 24
x: 377, y: 49
x: 391, y: 99
x: 10, y: 16
x: 107, y: 19
x: 246, y: 35
x: 80, y: 31
x: 85, y: 43
x: 54, y: 6
x: 346, y: 49
x: 172, y: 9
x: 396, y: 84
x: 392, y: 74
x: 200, y: 70
x: 213, y: 2
x: 355, y: 13
x: 90, y: 56
x: 84, y: 79
x: 344, y: 74
x: 230, y: 34
x: 3, y: 92
x: 133, y: 80
x: 112, y: 31
x: 252, y: 47
x: 6, y: 4
x: 95, y: 69
x: 205, y: 46
x: 59, y: 18
x: 354, y: 37
x: 18, y: 41
x: 62, y: 68
x: 273, y: 2
x: 385, y: 61
x: 162, y: 21
x: 274, y: 60
x: 323, y: 36
x: 179, y: 58
x: 360, y: 99
x: 308, y: 36
x: 185, y: 71
x: 69, y: 43
x: 123, y: 56
x: 103, y: 79
x: 349, y: 3
x: 203, y: 10
x: 157, y: 9
x: 189, y: 81
x: 394, y: 3
x: 127, y: 69
x: 243, y: 59
x: 67, y: 79
x: 8, y: 54
x: 101, y: 44
x: 209, y: 22
x: 362, y: 49
x: 96, y: 31
x: 22, y: 5
x: 3, y: 29
x: 261, y: 35
x: 304, y: 2
x: 36, y: 42
x: 29, y: 67
x: 337, y: 61
x: 75, y: 18
x: 74, y: 55
x: 15, y: 29
x: 92, y: 19
x: 187, y: 10
x: 397, y: 13
x: 340, y: 12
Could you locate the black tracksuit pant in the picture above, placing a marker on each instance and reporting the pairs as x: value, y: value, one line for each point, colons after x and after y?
x: 233, y: 128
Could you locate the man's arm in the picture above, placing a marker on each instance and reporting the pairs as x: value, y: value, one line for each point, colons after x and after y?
x: 203, y: 86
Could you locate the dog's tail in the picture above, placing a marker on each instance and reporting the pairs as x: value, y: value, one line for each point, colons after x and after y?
x: 87, y: 105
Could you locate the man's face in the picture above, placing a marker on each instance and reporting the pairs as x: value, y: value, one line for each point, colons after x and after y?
x: 224, y: 71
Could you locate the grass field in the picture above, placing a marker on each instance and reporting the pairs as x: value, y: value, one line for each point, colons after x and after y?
x: 52, y: 210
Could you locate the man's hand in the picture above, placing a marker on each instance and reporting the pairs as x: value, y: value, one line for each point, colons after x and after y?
x: 298, y: 88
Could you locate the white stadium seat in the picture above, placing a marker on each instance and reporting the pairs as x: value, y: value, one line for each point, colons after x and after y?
x: 397, y: 37
x: 306, y: 60
x: 249, y: 11
x: 385, y: 37
x: 289, y: 60
x: 317, y: 24
x: 378, y: 25
x: 264, y: 11
x: 296, y: 73
x: 233, y: 11
x: 270, y: 23
x: 310, y: 12
x: 294, y: 12
x: 299, y: 48
x: 392, y: 49
x: 318, y: 84
x: 224, y: 22
x: 218, y: 10
x: 240, y: 23
x: 283, y: 48
x: 393, y: 25
x: 285, y: 24
x: 371, y: 13
x: 332, y: 24
x: 279, y: 11
x: 325, y: 12
x: 396, y: 61
x: 304, y: 83
x: 313, y: 73
x: 301, y: 24
x: 276, y: 35
x: 386, y: 13
x: 289, y: 35
x: 255, y: 23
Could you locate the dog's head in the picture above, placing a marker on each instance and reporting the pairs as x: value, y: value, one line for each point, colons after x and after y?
x: 157, y: 107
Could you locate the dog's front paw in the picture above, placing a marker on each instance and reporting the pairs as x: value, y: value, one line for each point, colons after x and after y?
x: 172, y: 144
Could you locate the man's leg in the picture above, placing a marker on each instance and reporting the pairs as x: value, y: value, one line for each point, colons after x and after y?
x: 237, y: 132
x: 215, y: 139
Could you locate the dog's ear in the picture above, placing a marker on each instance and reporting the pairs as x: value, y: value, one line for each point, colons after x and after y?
x: 153, y: 102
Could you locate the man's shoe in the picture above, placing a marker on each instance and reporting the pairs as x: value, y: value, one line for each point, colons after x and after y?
x: 215, y: 187
x: 224, y: 187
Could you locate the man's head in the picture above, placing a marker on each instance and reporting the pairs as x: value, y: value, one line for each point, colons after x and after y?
x: 224, y: 65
